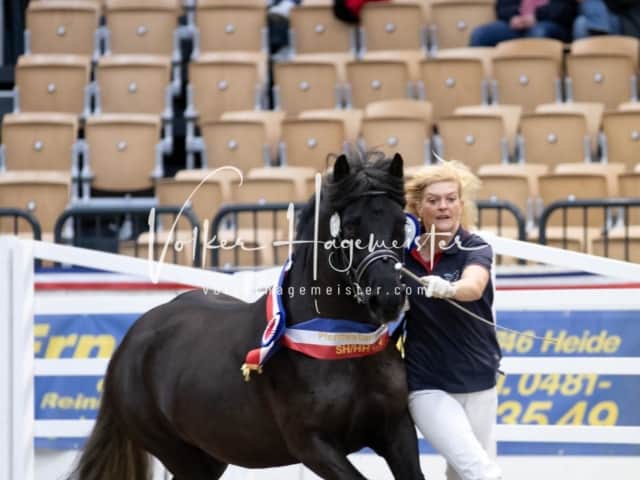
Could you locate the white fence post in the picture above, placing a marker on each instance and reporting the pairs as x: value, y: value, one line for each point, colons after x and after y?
x: 17, y: 452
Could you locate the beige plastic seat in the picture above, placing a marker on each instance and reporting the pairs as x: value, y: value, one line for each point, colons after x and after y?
x: 402, y: 107
x: 39, y: 141
x: 44, y: 194
x: 350, y: 117
x: 629, y: 186
x: 407, y: 136
x: 133, y: 84
x: 219, y: 84
x: 510, y: 115
x: 52, y: 83
x: 300, y: 86
x: 309, y: 142
x: 515, y: 183
x: 621, y: 131
x: 392, y: 26
x: 553, y: 138
x: 484, y: 54
x: 123, y: 151
x: 375, y: 80
x: 272, y: 120
x: 526, y: 80
x: 453, y: 21
x: 474, y: 139
x: 603, y: 69
x: 610, y: 172
x: 146, y: 27
x: 535, y: 47
x: 315, y: 29
x: 411, y: 58
x: 62, y: 27
x: 449, y: 83
x: 230, y: 26
x: 240, y: 143
x: 591, y: 111
x: 576, y: 235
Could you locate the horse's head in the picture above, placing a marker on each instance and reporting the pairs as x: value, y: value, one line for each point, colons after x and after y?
x: 364, y: 220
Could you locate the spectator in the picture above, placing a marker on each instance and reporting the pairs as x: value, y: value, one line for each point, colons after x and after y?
x: 602, y: 17
x: 278, y: 22
x: 349, y: 10
x: 527, y: 18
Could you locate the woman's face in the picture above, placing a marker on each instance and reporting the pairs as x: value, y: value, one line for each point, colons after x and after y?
x: 441, y: 207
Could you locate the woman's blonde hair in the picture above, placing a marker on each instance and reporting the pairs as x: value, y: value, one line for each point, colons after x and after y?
x: 445, y: 171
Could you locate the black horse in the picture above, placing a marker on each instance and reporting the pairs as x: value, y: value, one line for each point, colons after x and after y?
x: 174, y: 387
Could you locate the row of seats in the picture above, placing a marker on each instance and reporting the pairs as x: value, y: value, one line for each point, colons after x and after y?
x: 477, y: 135
x: 46, y: 195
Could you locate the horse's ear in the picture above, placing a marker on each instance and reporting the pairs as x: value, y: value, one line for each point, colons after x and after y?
x: 341, y: 168
x: 395, y: 168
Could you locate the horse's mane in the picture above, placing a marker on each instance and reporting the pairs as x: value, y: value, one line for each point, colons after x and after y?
x: 368, y: 171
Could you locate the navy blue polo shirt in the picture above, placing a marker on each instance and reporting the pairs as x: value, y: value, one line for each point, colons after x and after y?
x: 446, y: 349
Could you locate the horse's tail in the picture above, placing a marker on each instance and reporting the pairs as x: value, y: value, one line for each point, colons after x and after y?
x: 109, y: 453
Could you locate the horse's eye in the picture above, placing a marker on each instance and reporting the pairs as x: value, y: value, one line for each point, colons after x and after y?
x: 349, y: 230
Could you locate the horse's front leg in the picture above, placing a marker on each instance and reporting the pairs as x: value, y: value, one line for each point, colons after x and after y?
x: 323, y: 458
x: 397, y: 442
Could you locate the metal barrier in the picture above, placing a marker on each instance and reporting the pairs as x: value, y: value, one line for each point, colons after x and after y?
x: 16, y: 213
x: 500, y: 206
x: 228, y: 219
x: 128, y: 222
x: 615, y: 215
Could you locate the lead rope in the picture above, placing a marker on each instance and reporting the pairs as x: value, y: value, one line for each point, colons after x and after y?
x: 401, y: 268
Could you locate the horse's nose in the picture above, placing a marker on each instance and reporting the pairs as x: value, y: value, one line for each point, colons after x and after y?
x: 386, y: 306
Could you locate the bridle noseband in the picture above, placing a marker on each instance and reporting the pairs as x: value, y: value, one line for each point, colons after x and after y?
x: 355, y: 274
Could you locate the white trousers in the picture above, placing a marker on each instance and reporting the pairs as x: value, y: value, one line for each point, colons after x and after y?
x: 461, y: 427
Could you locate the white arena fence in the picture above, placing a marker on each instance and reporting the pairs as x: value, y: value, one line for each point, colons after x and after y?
x: 18, y: 367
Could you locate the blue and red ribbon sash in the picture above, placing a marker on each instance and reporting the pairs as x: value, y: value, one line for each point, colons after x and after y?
x: 321, y: 338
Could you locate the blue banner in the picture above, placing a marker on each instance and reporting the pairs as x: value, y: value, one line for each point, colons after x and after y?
x: 544, y: 399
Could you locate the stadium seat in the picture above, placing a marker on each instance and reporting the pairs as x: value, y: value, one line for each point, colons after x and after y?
x: 315, y: 29
x: 272, y: 120
x: 473, y: 139
x: 579, y: 229
x: 449, y: 83
x: 407, y: 136
x: 62, y: 27
x: 515, y: 183
x: 526, y: 81
x: 52, y: 83
x: 301, y: 85
x: 375, y: 80
x: 621, y: 137
x: 533, y: 47
x: 603, y: 69
x: 552, y: 138
x: 148, y: 27
x: 510, y: 115
x: 308, y: 142
x: 240, y: 143
x: 44, y: 194
x: 592, y: 113
x: 351, y: 117
x: 402, y: 107
x: 134, y: 84
x: 230, y: 26
x: 123, y: 152
x: 219, y: 84
x: 620, y: 244
x: 39, y: 141
x: 392, y: 26
x: 629, y: 186
x: 453, y: 21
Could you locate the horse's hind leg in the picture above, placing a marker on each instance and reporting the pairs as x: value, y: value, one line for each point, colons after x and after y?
x: 187, y: 462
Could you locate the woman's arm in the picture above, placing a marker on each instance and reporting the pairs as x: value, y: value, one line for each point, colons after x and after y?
x: 472, y: 283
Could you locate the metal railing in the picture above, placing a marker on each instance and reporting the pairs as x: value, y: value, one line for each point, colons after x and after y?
x: 615, y: 217
x: 501, y: 206
x: 107, y: 227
